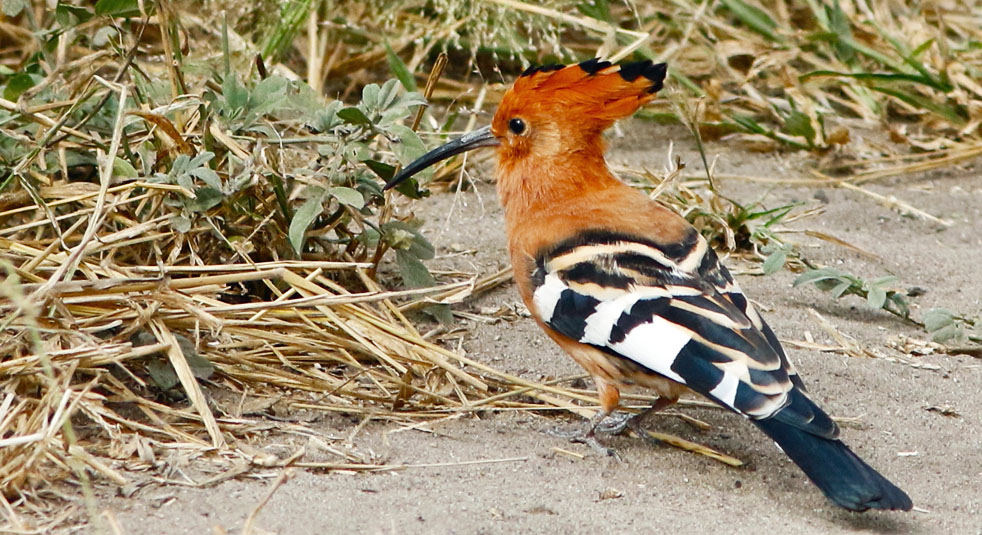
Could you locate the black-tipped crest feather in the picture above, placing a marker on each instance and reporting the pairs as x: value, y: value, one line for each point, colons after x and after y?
x: 542, y: 68
x: 592, y: 66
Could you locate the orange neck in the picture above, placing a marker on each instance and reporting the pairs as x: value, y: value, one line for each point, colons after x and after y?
x: 540, y: 186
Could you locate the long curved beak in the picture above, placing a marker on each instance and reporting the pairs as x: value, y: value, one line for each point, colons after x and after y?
x: 481, y: 137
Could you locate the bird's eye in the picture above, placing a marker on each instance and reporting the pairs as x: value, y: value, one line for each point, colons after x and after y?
x: 517, y: 126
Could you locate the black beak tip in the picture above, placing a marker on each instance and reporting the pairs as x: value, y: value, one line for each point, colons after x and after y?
x: 481, y: 137
x: 393, y: 182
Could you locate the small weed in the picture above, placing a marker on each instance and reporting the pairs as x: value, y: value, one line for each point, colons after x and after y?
x: 879, y: 293
x: 945, y: 326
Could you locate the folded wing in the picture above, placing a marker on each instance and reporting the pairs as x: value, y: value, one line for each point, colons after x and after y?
x: 675, y: 312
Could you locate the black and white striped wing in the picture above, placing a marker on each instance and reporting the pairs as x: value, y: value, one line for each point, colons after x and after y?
x: 676, y: 312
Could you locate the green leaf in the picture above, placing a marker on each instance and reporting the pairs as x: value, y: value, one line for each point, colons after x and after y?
x: 799, y: 124
x: 948, y: 332
x: 749, y: 124
x: 67, y: 15
x: 755, y: 18
x: 352, y: 115
x: 876, y: 297
x: 184, y: 180
x: 409, y: 147
x: 418, y: 245
x: 180, y: 224
x: 815, y: 275
x: 274, y: 88
x: 302, y: 219
x: 370, y: 237
x: 441, y: 312
x: 280, y: 193
x: 383, y: 170
x: 348, y: 196
x: 201, y: 368
x: 422, y: 247
x: 205, y: 199
x: 900, y: 303
x: 410, y: 188
x: 866, y: 76
x: 162, y: 373
x: 774, y: 262
x: 368, y: 188
x: 291, y: 18
x: 209, y: 177
x: 12, y: 8
x: 953, y: 114
x: 118, y: 8
x: 326, y: 118
x: 840, y: 289
x: 921, y: 48
x: 369, y: 96
x: 841, y: 30
x: 399, y: 69
x: 123, y: 168
x: 17, y: 84
x: 236, y: 95
x: 389, y: 95
x: 414, y: 273
x: 937, y: 319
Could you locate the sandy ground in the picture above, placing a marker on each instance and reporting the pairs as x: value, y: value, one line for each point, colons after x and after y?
x: 532, y: 488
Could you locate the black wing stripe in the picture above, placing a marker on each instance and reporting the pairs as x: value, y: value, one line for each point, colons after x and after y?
x: 802, y: 413
x: 714, y: 333
x: 719, y: 310
x: 639, y: 314
x: 605, y: 237
x: 592, y: 273
x: 571, y: 313
x: 776, y: 345
x: 693, y: 363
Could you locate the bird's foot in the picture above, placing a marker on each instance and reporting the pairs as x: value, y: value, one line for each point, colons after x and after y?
x: 615, y: 424
x: 603, y: 423
x: 590, y: 439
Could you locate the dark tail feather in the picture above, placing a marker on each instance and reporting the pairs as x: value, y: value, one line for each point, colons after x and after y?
x: 836, y: 470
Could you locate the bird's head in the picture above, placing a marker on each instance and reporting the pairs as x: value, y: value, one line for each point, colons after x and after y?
x: 555, y: 110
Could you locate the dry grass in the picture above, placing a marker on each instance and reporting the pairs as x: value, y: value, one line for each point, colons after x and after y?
x: 140, y: 331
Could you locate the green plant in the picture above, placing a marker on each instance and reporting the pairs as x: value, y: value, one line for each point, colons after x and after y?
x: 946, y: 326
x: 879, y: 292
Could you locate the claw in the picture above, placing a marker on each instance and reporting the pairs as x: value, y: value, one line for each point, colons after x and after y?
x: 611, y: 424
x: 596, y: 446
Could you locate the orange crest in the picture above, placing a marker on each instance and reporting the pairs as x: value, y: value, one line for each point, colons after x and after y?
x: 592, y: 94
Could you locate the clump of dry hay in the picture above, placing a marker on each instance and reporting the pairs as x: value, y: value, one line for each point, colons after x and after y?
x: 128, y: 336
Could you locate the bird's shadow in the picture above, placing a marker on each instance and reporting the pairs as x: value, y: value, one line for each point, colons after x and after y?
x: 877, y: 521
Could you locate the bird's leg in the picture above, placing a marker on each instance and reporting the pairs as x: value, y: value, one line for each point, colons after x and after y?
x: 590, y: 437
x: 635, y: 422
x: 609, y: 398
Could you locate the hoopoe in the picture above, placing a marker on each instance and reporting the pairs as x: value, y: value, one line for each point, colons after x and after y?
x: 629, y: 288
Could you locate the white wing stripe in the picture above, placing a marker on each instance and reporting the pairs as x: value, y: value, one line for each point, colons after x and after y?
x: 601, y: 322
x: 546, y: 297
x: 691, y: 261
x: 655, y: 345
x: 726, y: 390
